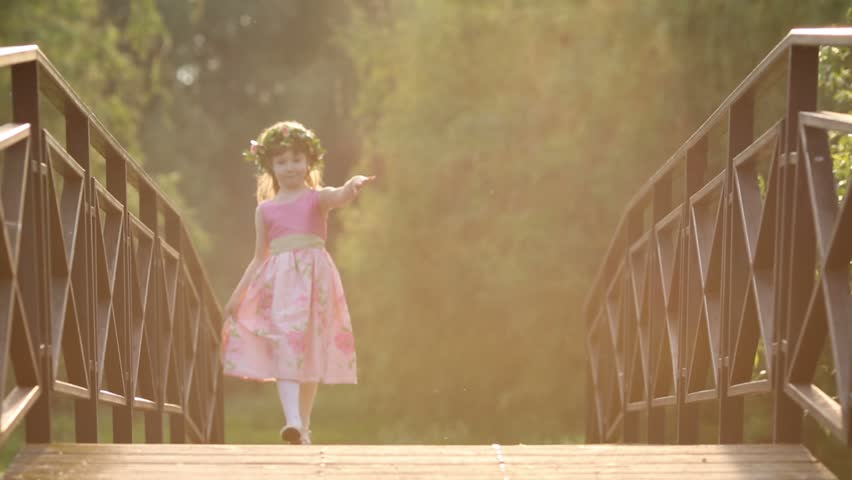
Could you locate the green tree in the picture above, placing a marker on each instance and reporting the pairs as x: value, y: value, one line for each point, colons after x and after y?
x: 508, y: 137
x: 110, y: 53
x: 108, y: 64
x: 836, y: 95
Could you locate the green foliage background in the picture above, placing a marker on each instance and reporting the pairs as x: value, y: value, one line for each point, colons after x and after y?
x: 507, y: 136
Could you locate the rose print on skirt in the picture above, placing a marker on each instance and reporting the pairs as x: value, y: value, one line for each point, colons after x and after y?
x: 292, y: 323
x: 296, y: 340
x: 345, y: 342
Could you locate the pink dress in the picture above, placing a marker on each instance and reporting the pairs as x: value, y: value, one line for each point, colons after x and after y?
x: 292, y: 322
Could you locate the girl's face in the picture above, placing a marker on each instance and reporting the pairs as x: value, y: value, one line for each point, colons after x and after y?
x: 290, y: 169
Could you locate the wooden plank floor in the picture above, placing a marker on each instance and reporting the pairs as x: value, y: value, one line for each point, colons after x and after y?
x: 350, y: 462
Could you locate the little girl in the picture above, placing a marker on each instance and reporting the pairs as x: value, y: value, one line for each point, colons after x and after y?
x: 287, y: 320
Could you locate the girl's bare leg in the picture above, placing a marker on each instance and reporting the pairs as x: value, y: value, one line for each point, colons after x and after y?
x: 307, y: 395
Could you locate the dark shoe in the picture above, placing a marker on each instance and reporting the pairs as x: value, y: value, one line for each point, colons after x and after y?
x: 291, y: 435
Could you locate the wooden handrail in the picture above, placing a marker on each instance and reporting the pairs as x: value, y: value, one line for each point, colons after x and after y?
x: 15, y: 55
x: 83, y: 291
x: 752, y: 263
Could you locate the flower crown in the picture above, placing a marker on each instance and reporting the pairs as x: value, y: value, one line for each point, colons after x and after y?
x: 284, y: 136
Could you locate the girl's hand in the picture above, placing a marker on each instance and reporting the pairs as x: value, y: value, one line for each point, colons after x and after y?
x: 360, y: 181
x: 334, y: 197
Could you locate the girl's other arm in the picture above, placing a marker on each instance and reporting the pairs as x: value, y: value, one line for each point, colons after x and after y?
x: 260, y: 252
x: 333, y: 197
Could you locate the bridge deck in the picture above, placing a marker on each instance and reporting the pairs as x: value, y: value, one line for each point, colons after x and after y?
x: 350, y: 462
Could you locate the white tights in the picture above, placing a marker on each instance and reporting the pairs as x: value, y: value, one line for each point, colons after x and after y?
x: 297, y: 400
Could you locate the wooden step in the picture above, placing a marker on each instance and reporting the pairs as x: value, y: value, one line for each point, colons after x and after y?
x: 351, y: 462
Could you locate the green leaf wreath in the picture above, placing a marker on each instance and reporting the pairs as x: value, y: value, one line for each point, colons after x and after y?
x: 284, y: 136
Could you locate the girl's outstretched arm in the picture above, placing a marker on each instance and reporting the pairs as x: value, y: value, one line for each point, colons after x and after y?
x: 333, y: 197
x: 260, y: 253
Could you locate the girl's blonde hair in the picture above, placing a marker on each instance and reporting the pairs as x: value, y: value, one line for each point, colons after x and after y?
x: 267, y: 185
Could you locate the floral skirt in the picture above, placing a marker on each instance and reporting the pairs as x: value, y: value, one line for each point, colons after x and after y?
x: 292, y: 323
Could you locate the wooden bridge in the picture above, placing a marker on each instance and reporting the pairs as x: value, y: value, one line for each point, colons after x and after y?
x: 736, y: 249
x: 410, y: 462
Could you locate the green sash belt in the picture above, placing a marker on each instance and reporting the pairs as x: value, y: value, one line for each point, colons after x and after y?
x: 293, y: 242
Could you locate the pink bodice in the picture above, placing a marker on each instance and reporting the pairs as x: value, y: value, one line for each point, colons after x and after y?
x: 301, y: 215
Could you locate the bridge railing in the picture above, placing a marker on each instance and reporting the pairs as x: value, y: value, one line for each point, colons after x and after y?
x: 729, y: 273
x: 103, y: 298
